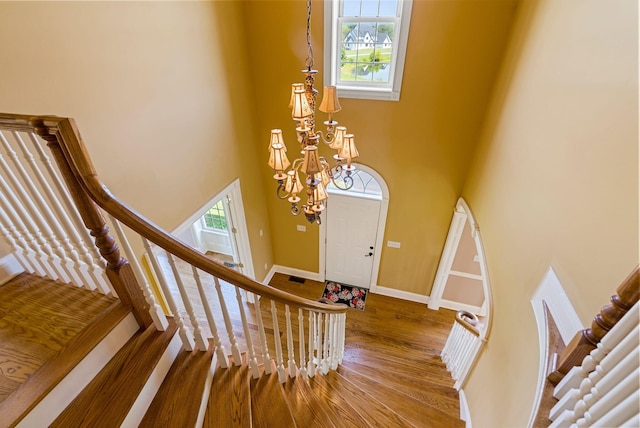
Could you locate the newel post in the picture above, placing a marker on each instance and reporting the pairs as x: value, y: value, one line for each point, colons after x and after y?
x: 118, y: 269
x: 587, y: 340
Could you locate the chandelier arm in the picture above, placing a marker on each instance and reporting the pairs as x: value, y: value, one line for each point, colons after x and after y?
x: 328, y: 139
x: 280, y: 192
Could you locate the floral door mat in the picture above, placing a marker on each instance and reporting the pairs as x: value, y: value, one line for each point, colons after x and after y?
x: 354, y: 297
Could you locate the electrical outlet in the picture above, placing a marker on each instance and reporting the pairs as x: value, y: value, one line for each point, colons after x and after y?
x: 301, y: 228
x: 261, y: 233
x: 393, y: 244
x: 265, y: 266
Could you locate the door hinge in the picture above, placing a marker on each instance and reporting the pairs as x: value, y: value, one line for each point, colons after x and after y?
x: 234, y: 230
x: 240, y: 265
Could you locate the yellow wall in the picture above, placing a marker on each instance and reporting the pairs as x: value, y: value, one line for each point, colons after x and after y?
x: 421, y: 144
x: 150, y: 86
x: 555, y: 183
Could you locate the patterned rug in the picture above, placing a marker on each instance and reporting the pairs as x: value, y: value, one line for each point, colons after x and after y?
x: 354, y: 297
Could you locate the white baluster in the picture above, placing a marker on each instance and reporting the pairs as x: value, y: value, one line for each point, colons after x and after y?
x: 282, y: 372
x: 220, y: 351
x: 633, y: 421
x: 187, y: 340
x: 200, y: 340
x: 54, y: 232
x: 291, y: 363
x: 74, y: 225
x: 301, y: 346
x: 266, y: 359
x: 155, y: 311
x: 253, y: 363
x: 626, y: 351
x: 325, y: 346
x: 14, y: 224
x: 18, y: 246
x: 311, y: 366
x: 618, y: 333
x: 235, y: 350
x: 25, y: 218
x: 612, y: 413
x: 319, y: 327
x: 333, y: 327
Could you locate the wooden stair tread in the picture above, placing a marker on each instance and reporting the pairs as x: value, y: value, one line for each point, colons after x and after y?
x: 107, y: 399
x: 176, y: 403
x: 343, y: 414
x: 306, y: 407
x: 269, y: 407
x: 15, y: 406
x: 413, y: 410
x: 229, y: 403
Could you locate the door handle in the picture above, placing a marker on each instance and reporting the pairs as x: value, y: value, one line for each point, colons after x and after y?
x: 369, y: 255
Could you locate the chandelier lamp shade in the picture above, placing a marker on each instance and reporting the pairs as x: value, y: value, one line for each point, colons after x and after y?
x: 318, y: 172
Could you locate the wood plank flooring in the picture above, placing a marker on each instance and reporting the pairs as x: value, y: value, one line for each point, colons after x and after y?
x: 38, y: 318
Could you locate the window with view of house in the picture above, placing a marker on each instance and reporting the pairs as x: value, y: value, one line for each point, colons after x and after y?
x: 366, y: 44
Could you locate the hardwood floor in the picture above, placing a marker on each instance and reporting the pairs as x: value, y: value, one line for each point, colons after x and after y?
x: 37, y: 320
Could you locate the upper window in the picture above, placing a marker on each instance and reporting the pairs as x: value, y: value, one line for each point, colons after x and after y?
x: 366, y: 42
x: 215, y: 218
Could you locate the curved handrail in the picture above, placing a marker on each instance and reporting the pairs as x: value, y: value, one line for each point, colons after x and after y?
x: 68, y: 137
x: 469, y: 321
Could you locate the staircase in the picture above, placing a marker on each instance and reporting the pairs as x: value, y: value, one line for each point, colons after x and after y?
x: 234, y: 352
x: 152, y: 381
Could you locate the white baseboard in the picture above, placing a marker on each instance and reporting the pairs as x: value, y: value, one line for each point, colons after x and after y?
x: 9, y: 267
x: 315, y: 276
x: 399, y: 294
x: 465, y: 415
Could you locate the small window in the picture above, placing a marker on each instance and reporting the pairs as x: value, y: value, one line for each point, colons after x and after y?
x: 366, y: 43
x: 363, y: 183
x: 215, y: 218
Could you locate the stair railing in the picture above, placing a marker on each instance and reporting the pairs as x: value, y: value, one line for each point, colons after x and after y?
x: 201, y: 293
x: 462, y: 346
x: 604, y: 389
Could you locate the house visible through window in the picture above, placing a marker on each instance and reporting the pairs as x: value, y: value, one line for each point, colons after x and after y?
x: 215, y: 218
x: 366, y: 44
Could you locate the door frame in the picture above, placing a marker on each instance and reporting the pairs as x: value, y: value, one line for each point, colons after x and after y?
x: 239, y: 222
x: 382, y: 222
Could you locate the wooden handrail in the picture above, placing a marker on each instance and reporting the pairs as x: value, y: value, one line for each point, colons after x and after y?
x: 62, y: 132
x: 586, y: 340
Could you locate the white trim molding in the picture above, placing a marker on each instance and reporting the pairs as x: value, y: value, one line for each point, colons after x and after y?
x: 9, y: 268
x: 401, y: 294
x: 551, y: 293
x: 465, y: 415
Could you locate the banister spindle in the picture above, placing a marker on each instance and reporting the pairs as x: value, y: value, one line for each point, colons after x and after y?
x: 55, y: 234
x: 311, y: 366
x: 235, y: 350
x: 282, y: 373
x: 187, y: 340
x: 200, y: 340
x: 155, y: 311
x: 291, y: 363
x: 301, y: 346
x: 253, y: 363
x: 266, y: 358
x: 80, y: 236
x: 18, y: 245
x: 586, y: 340
x: 220, y: 351
x: 325, y: 346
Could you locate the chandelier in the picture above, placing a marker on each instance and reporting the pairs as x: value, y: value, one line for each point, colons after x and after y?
x: 319, y: 173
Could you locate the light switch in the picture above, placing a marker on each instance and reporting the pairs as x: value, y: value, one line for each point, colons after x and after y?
x: 301, y: 228
x: 393, y: 244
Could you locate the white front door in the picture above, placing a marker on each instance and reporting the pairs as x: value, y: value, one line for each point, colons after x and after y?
x: 352, y: 226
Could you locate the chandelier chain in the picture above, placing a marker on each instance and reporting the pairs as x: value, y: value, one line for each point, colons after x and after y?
x: 309, y: 60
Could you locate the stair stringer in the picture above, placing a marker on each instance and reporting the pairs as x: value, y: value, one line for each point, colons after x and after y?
x: 50, y: 407
x: 144, y: 399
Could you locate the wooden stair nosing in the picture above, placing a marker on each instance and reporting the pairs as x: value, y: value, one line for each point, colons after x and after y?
x: 107, y: 400
x: 176, y: 402
x: 18, y: 404
x: 410, y: 408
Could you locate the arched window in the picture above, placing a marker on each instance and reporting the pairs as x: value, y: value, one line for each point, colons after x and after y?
x: 363, y: 183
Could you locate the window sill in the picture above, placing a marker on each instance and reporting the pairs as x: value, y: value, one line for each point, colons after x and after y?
x: 368, y: 94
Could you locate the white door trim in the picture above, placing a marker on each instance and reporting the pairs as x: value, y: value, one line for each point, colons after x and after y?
x: 239, y: 219
x: 382, y: 222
